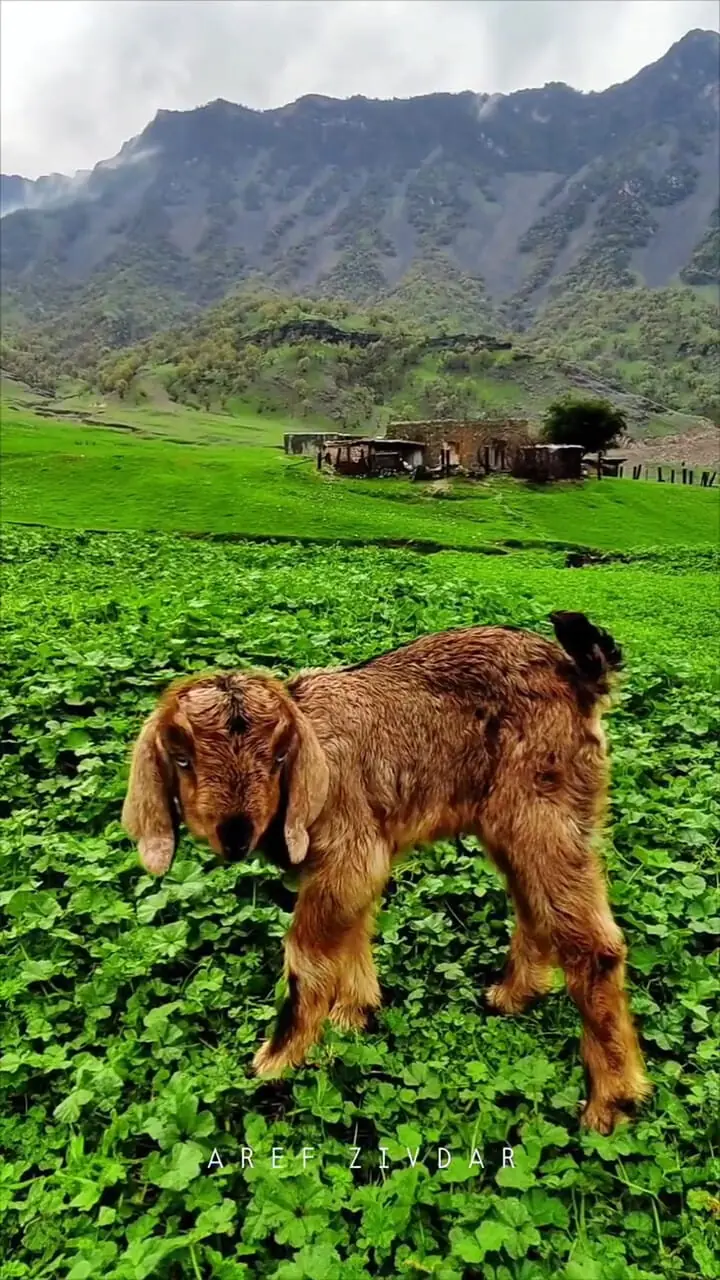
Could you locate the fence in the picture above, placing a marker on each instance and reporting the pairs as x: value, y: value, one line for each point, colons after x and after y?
x: 669, y: 475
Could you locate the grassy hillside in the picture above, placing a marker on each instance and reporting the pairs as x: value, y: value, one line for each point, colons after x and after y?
x: 243, y: 355
x: 63, y: 474
x: 663, y: 344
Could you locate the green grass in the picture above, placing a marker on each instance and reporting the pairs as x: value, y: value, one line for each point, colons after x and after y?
x: 499, y: 394
x: 132, y: 1008
x: 179, y: 424
x: 68, y: 475
x: 11, y: 389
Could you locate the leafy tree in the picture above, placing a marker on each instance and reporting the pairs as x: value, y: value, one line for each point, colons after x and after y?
x: 448, y: 398
x: 300, y: 389
x: 593, y: 423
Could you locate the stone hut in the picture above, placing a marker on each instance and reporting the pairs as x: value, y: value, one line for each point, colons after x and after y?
x: 372, y: 457
x: 482, y: 445
x: 541, y: 462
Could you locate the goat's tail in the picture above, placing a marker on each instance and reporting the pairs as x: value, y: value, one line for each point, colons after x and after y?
x: 594, y: 652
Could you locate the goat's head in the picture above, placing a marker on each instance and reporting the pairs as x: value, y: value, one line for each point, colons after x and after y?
x: 221, y: 753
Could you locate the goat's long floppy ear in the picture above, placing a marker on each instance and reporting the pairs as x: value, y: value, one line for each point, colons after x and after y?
x: 147, y: 812
x: 308, y: 781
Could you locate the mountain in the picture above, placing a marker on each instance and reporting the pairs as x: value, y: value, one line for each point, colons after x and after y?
x: 50, y: 190
x: 15, y: 192
x: 478, y: 206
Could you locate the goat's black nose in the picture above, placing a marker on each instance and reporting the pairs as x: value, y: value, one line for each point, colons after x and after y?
x: 235, y: 835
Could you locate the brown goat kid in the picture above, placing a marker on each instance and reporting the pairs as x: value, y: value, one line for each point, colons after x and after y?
x: 487, y: 731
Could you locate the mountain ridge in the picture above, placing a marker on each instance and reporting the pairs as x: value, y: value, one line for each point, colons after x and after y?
x: 483, y: 208
x: 708, y: 41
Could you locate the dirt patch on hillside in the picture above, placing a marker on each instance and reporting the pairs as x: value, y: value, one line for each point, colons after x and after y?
x: 698, y: 448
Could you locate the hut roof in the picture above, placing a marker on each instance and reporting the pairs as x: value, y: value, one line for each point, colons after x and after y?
x: 399, y: 444
x: 381, y: 441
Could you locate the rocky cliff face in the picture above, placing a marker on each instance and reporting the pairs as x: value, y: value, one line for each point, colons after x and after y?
x: 520, y: 194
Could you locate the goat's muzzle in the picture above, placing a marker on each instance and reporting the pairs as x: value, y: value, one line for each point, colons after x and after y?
x: 235, y: 836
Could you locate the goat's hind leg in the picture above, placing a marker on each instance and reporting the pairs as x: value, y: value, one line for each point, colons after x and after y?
x: 528, y: 973
x: 559, y: 877
x: 529, y: 969
x: 594, y: 967
x: 357, y: 991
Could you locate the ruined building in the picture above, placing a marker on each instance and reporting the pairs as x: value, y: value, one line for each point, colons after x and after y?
x: 479, y: 446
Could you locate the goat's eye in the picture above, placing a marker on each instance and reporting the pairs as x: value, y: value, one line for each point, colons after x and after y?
x: 182, y: 762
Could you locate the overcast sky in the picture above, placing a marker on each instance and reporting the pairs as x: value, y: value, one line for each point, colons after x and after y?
x: 79, y: 77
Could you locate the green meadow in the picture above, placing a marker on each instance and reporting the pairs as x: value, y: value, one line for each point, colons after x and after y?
x: 132, y: 1007
x: 188, y: 472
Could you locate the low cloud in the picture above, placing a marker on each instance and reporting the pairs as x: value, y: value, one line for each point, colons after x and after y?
x: 79, y: 78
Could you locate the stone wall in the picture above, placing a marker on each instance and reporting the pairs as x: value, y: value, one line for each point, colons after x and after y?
x: 489, y: 444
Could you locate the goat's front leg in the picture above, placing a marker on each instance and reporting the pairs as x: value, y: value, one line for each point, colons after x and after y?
x: 327, y: 958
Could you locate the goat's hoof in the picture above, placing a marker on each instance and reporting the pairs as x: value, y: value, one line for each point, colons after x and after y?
x: 348, y: 1017
x: 500, y: 1000
x: 269, y: 1063
x: 603, y: 1117
x: 629, y: 1093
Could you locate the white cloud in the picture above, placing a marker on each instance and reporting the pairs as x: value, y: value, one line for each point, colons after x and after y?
x: 79, y: 77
